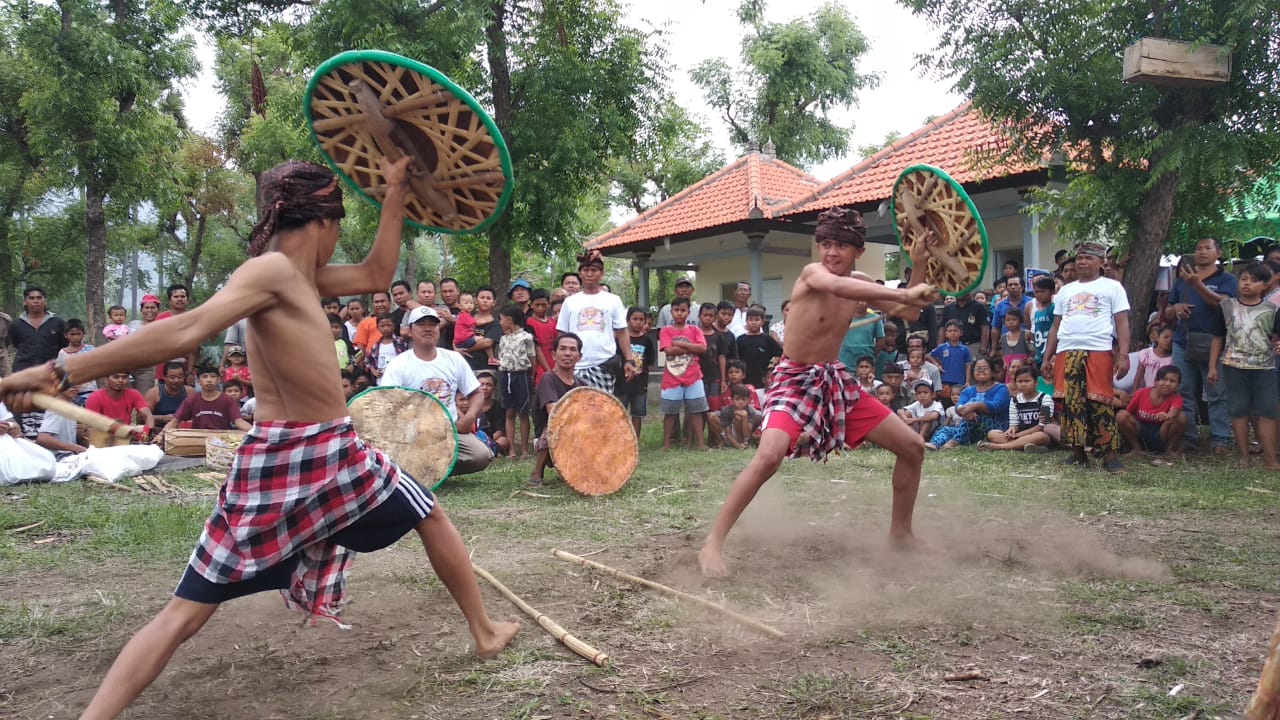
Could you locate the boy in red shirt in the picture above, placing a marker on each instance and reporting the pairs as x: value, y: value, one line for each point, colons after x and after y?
x: 1154, y: 420
x: 543, y: 327
x: 118, y: 401
x: 682, y: 376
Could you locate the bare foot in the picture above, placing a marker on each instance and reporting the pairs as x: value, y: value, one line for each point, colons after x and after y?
x: 711, y: 561
x: 1272, y: 466
x: 907, y: 542
x: 502, y: 635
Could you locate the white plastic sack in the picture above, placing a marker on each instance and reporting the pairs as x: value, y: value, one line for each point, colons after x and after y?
x: 121, y: 461
x: 23, y: 461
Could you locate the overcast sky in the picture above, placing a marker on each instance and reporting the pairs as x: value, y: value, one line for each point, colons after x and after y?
x: 701, y: 29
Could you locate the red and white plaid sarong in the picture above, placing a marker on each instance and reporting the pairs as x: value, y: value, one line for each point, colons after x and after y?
x: 818, y: 397
x: 291, y: 486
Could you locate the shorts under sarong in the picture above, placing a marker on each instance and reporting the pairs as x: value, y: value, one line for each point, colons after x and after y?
x: 821, y: 402
x: 296, y: 496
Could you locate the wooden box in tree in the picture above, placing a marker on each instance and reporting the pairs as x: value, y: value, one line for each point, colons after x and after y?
x: 1157, y: 61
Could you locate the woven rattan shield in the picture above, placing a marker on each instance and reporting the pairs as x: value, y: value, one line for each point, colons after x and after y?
x: 924, y: 197
x: 363, y: 105
x: 411, y: 427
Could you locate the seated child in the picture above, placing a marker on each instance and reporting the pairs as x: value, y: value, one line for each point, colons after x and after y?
x: 918, y: 369
x: 1154, y: 420
x: 922, y: 416
x: 736, y: 374
x: 865, y: 375
x: 1030, y: 413
x: 740, y: 421
x: 893, y: 379
x: 886, y: 395
x: 119, y: 323
x: 238, y: 369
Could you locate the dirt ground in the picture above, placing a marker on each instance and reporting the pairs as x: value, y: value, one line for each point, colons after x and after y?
x: 1041, y: 606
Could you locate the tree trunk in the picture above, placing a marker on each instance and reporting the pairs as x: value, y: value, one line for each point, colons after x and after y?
x: 95, y: 263
x: 197, y: 249
x: 411, y: 259
x: 1154, y: 217
x: 500, y: 71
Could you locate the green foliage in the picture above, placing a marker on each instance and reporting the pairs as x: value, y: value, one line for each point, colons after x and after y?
x: 672, y: 153
x: 792, y: 76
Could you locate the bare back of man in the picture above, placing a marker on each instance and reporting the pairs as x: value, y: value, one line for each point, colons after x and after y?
x: 296, y: 380
x: 822, y: 306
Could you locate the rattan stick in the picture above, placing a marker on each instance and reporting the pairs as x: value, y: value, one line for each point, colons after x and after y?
x: 678, y: 594
x: 545, y: 622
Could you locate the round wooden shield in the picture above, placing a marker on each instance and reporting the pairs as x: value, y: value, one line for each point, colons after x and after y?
x: 362, y: 105
x: 592, y: 442
x: 924, y: 197
x: 411, y: 426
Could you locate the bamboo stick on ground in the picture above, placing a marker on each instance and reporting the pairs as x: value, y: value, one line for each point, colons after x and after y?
x: 545, y: 622
x: 672, y: 592
x: 1265, y: 704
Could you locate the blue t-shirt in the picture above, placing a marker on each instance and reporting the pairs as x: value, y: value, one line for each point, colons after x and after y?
x: 1202, y: 316
x: 953, y: 359
x: 1002, y: 307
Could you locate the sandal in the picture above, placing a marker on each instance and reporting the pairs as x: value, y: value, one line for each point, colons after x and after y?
x: 1113, y: 466
x: 1073, y: 461
x: 986, y: 445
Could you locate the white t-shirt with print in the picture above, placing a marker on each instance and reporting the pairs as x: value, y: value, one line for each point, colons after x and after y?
x: 444, y: 377
x: 1088, y: 313
x: 594, y: 318
x: 916, y: 410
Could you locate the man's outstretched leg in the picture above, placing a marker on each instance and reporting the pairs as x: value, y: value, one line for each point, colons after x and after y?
x: 895, y: 436
x: 145, y: 655
x: 448, y: 556
x: 773, y: 447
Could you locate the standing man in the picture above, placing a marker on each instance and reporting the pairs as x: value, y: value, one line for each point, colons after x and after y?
x: 5, y: 321
x: 684, y: 289
x: 303, y: 490
x: 741, y: 303
x: 973, y: 321
x: 1015, y: 302
x: 37, y: 336
x: 1193, y: 305
x: 599, y: 319
x: 402, y: 296
x: 518, y: 294
x: 445, y: 374
x: 450, y: 292
x: 571, y: 283
x: 1082, y: 360
x: 813, y: 395
x: 367, y: 334
x: 179, y: 299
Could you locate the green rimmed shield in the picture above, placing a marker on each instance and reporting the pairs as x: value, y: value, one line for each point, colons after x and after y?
x: 411, y: 426
x: 363, y: 105
x: 925, y: 197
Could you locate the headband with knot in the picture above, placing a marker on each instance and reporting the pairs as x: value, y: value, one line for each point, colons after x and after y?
x: 291, y: 195
x: 843, y: 225
x: 591, y: 258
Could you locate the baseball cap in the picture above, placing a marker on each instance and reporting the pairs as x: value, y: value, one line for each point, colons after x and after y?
x: 235, y: 350
x: 684, y: 281
x: 423, y: 312
x: 520, y: 282
x: 149, y: 298
x: 922, y: 381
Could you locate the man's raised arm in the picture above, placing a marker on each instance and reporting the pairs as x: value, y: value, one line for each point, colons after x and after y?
x: 378, y: 269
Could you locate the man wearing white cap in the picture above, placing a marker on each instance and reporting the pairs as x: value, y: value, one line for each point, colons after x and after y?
x: 443, y: 373
x: 684, y: 289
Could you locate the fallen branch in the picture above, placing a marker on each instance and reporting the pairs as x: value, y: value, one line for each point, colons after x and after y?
x: 545, y: 622
x: 965, y: 675
x: 99, y: 481
x: 25, y: 528
x: 670, y: 591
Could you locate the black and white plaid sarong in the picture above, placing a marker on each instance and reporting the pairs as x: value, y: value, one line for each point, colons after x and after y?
x: 598, y: 377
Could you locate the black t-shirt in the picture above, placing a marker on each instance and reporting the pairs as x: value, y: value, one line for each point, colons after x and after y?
x: 755, y: 351
x: 446, y: 329
x: 492, y: 330
x: 973, y: 316
x: 719, y: 344
x: 493, y: 420
x: 926, y: 326
x: 644, y: 348
x: 37, y: 345
x: 550, y: 389
x: 397, y: 318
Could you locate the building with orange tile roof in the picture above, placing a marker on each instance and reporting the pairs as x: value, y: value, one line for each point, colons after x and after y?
x: 753, y: 220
